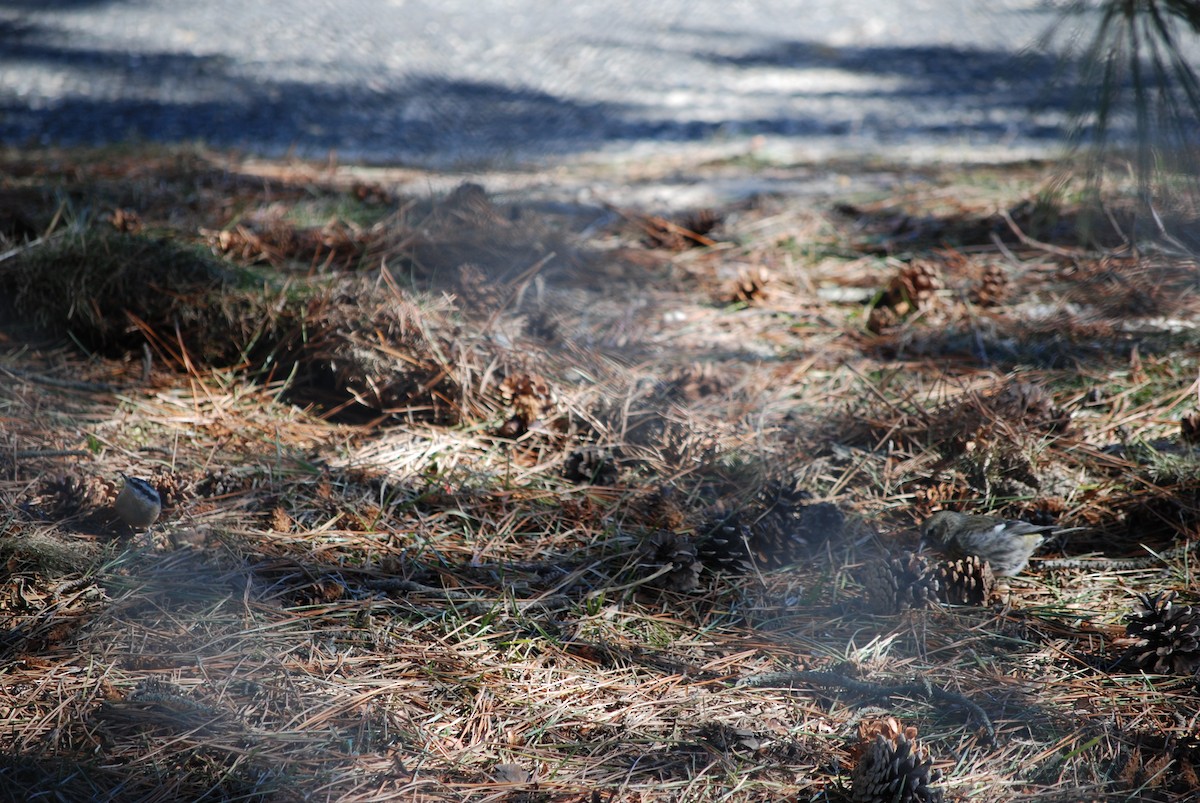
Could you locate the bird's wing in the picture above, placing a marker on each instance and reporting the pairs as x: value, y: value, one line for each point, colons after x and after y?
x: 978, y: 541
x: 1018, y: 527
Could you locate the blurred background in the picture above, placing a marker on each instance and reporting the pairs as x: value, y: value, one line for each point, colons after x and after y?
x: 460, y: 83
x: 1107, y: 84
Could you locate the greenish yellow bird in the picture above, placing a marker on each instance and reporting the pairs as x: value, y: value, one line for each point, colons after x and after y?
x: 1006, y: 544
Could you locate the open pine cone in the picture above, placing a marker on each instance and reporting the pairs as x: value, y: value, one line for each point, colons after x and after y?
x: 530, y: 398
x: 1168, y: 636
x: 727, y: 546
x: 914, y: 287
x: 900, y: 582
x: 893, y: 771
x: 777, y: 529
x: 591, y: 465
x: 751, y: 284
x: 1189, y: 429
x: 790, y: 528
x: 968, y: 581
x: 992, y: 288
x: 665, y: 548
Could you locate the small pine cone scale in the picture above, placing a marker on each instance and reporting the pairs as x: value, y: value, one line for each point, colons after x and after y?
x: 894, y: 772
x: 968, y: 581
x: 1168, y: 636
x: 899, y: 583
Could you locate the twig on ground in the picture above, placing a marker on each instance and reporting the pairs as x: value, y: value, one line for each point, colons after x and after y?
x: 923, y: 688
x: 68, y: 384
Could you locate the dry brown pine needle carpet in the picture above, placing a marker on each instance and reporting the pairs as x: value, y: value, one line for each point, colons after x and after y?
x: 481, y: 497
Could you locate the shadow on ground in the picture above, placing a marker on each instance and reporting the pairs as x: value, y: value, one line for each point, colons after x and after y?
x: 971, y: 95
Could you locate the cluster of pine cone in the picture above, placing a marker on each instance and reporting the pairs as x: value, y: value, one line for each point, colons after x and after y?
x: 902, y: 582
x: 778, y: 528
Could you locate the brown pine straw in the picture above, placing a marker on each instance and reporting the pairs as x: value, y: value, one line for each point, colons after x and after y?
x: 368, y: 584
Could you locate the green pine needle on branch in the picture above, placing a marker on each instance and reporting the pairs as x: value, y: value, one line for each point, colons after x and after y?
x: 1137, y: 85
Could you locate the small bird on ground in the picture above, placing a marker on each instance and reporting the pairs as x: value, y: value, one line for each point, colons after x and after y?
x: 1006, y: 544
x: 138, y: 504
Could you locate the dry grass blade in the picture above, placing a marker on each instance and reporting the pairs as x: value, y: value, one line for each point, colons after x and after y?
x: 468, y: 498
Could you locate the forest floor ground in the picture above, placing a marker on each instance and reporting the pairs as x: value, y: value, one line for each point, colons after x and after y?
x: 589, y: 485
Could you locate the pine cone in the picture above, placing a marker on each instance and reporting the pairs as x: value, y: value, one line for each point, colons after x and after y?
x: 698, y: 381
x: 920, y: 282
x: 726, y: 546
x: 1168, y: 636
x: 667, y: 548
x: 172, y: 489
x: 888, y: 727
x: 777, y: 530
x: 790, y: 528
x: 784, y: 534
x: 591, y: 465
x: 1189, y: 429
x: 775, y: 540
x: 900, y: 582
x: 914, y: 287
x: 1029, y: 403
x: 475, y: 289
x: 64, y: 496
x: 881, y: 318
x: 968, y: 581
x: 942, y: 495
x: 993, y: 287
x: 894, y: 772
x: 531, y: 398
x: 750, y: 285
x: 821, y: 523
